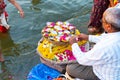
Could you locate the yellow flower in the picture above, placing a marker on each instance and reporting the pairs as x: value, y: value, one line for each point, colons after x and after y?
x: 77, y: 32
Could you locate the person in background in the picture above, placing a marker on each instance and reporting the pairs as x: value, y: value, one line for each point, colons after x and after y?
x: 104, y: 57
x: 4, y: 16
x: 13, y: 2
x: 3, y: 23
x: 98, y: 8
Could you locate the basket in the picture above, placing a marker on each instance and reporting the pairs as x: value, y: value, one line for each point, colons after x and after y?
x: 60, y: 66
x: 59, y: 43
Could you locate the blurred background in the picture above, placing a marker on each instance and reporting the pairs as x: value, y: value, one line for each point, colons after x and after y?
x: 20, y: 43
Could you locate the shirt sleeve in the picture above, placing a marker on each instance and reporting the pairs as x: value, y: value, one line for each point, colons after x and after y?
x: 94, y: 38
x: 92, y: 57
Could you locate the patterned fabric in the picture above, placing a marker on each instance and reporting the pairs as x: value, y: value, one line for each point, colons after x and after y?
x: 2, y: 5
x: 6, y: 14
x: 104, y: 56
x: 3, y: 29
x: 98, y: 8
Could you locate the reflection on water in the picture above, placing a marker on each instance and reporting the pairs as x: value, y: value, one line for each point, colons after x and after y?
x: 34, y: 5
x: 35, y: 2
x: 6, y: 41
x: 19, y: 45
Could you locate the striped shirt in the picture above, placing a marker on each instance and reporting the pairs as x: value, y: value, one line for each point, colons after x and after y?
x: 104, y: 56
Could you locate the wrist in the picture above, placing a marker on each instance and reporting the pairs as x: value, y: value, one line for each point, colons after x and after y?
x: 72, y: 42
x: 20, y: 12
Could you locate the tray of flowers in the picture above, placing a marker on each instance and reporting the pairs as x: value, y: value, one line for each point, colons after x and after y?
x: 58, y: 33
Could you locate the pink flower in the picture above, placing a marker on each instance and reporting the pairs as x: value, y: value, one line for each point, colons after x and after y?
x: 60, y: 58
x: 83, y: 48
x: 46, y: 35
x: 50, y: 24
x: 69, y: 55
x: 63, y: 37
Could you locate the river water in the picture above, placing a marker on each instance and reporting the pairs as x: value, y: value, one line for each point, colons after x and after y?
x: 19, y: 44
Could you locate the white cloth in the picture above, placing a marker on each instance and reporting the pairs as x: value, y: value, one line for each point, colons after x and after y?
x: 4, y: 0
x: 104, y: 56
x: 3, y: 20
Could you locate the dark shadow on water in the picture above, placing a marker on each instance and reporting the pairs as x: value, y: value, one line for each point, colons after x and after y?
x: 34, y: 5
x: 5, y: 43
x: 19, y: 58
x: 6, y: 40
x: 35, y: 2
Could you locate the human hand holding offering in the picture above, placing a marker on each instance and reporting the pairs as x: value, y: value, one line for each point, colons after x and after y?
x: 73, y: 39
x: 82, y: 37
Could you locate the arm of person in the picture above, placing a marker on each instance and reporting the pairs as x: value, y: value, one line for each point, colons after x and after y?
x: 18, y: 7
x: 94, y: 38
x: 91, y: 38
x: 92, y: 57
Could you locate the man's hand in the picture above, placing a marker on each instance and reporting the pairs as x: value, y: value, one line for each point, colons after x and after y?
x: 82, y: 37
x: 73, y: 40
